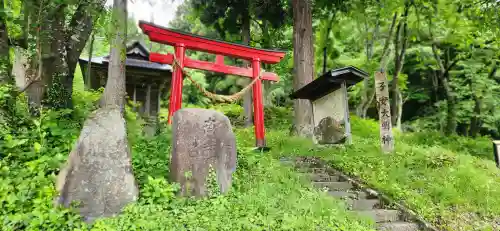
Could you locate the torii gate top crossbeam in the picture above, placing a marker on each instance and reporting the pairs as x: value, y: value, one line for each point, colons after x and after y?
x: 194, y: 42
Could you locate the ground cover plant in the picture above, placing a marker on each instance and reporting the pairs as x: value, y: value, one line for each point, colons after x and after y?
x: 450, y: 185
x: 456, y: 190
x: 265, y: 195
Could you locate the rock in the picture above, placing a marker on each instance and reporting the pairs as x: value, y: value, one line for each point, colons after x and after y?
x: 98, y: 173
x: 201, y: 138
x: 329, y: 131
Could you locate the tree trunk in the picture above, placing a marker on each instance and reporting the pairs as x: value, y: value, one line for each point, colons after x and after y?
x: 114, y: 93
x: 475, y: 121
x: 366, y: 97
x: 444, y: 68
x: 57, y: 70
x: 399, y: 109
x: 247, y: 98
x: 266, y: 43
x: 80, y: 30
x: 400, y: 43
x: 443, y: 75
x: 365, y: 104
x: 39, y: 71
x: 435, y: 86
x: 451, y: 116
x: 69, y: 46
x: 101, y: 151
x: 327, y: 42
x: 368, y: 102
x: 51, y: 72
x: 88, y: 76
x: 303, y: 63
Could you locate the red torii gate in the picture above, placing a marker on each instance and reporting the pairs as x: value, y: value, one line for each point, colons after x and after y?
x: 182, y: 41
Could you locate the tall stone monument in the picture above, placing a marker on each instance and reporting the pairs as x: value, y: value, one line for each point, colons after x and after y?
x: 201, y: 139
x: 98, y: 173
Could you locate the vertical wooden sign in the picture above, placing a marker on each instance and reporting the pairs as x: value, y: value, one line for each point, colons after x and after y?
x: 384, y: 112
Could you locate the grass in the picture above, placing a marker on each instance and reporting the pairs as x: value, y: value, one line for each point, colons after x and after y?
x: 454, y: 188
x: 450, y: 181
x: 265, y: 194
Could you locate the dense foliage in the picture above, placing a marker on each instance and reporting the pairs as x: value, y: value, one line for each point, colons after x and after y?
x: 265, y: 194
x: 429, y: 173
x: 441, y: 57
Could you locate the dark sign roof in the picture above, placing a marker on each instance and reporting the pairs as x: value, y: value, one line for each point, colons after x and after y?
x: 329, y: 82
x: 137, y: 56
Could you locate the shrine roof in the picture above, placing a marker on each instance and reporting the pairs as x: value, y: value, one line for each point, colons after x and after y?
x: 137, y: 56
x: 330, y: 82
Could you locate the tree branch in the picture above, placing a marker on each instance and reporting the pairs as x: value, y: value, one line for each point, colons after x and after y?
x: 397, y: 41
x: 80, y: 27
x: 437, y: 58
x: 450, y: 66
x: 493, y: 70
x: 405, y: 33
x: 387, y: 42
x: 374, y: 37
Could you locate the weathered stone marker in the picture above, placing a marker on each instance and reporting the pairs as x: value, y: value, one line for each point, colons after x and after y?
x: 496, y: 152
x: 384, y: 112
x: 201, y: 138
x: 98, y: 173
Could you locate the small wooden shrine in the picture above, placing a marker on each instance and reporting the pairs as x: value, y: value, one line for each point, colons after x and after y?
x: 328, y: 95
x: 146, y: 82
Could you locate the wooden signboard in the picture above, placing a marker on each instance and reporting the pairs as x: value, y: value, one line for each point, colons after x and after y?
x: 384, y: 112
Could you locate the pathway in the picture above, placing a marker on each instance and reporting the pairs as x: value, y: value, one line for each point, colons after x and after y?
x: 386, y: 217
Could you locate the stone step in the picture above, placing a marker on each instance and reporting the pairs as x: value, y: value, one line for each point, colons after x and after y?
x: 343, y: 194
x: 311, y: 170
x: 397, y: 226
x: 381, y: 215
x: 323, y: 177
x: 334, y: 186
x: 362, y: 204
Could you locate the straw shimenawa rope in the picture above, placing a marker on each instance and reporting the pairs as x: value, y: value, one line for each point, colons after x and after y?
x: 216, y: 97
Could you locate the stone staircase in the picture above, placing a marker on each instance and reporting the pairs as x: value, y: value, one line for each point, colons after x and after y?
x: 365, y: 202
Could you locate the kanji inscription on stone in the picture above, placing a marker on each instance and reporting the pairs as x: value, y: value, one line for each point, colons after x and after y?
x: 384, y: 112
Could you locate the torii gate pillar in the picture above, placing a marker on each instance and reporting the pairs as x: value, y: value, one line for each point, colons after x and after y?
x: 182, y: 41
x: 258, y: 107
x: 177, y: 80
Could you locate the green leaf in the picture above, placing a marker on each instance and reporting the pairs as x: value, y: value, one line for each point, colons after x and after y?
x: 37, y: 146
